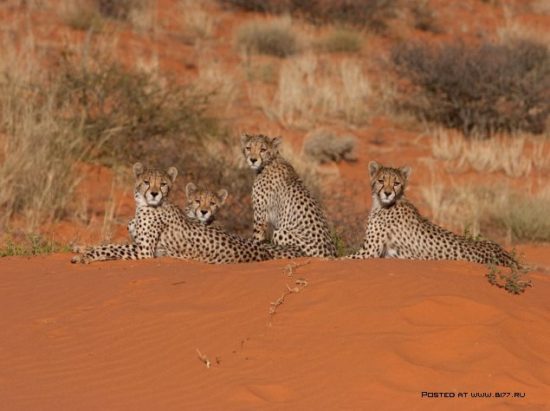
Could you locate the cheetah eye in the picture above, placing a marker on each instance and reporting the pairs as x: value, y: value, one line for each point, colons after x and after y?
x: 263, y: 149
x: 212, y: 203
x: 198, y: 201
x: 381, y: 180
x: 396, y: 184
x: 247, y: 148
x: 163, y: 184
x: 146, y: 182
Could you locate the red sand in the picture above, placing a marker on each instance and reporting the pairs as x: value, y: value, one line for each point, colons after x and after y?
x: 362, y: 335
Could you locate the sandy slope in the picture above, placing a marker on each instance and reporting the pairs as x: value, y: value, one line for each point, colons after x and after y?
x: 362, y: 335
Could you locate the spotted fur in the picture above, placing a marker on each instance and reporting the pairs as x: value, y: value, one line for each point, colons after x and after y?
x: 396, y: 229
x: 202, y: 204
x: 160, y: 225
x: 282, y: 203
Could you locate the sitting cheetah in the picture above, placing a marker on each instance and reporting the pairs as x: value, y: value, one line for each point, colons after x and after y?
x: 282, y: 203
x: 202, y: 206
x: 161, y: 225
x: 395, y: 228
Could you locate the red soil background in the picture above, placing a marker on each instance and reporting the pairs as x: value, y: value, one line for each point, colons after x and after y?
x: 362, y: 335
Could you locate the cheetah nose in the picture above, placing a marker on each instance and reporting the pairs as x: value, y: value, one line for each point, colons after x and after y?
x: 154, y: 194
x: 387, y: 193
x: 204, y: 212
x: 253, y: 160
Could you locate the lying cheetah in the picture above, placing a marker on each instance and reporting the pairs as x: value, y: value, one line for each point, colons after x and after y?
x: 395, y: 228
x: 202, y: 206
x: 161, y: 225
x: 282, y: 203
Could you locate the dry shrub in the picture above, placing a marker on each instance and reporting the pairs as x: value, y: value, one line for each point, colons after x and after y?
x: 478, y: 89
x: 274, y: 38
x: 81, y: 14
x: 363, y: 13
x: 311, y: 91
x: 126, y: 114
x: 340, y: 41
x: 324, y: 146
x: 120, y: 9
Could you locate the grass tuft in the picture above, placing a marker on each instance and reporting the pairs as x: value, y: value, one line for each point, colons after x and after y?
x: 340, y: 41
x: 33, y: 244
x: 274, y: 38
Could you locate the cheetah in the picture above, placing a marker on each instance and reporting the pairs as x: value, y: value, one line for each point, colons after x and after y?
x: 395, y: 228
x: 282, y: 203
x: 202, y: 205
x: 162, y: 225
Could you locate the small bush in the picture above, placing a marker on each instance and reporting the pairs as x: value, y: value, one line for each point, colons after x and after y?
x: 324, y: 147
x: 119, y: 9
x: 481, y: 90
x: 274, y: 38
x: 125, y: 114
x: 340, y: 41
x: 81, y: 15
x: 363, y: 13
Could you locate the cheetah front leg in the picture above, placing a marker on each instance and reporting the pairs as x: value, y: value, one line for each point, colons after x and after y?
x: 110, y: 252
x: 260, y: 221
x: 373, y: 247
x: 144, y: 245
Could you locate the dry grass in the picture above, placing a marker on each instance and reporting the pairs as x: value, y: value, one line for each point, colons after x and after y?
x: 274, y: 37
x: 515, y: 155
x: 39, y: 155
x: 491, y: 211
x: 340, y: 41
x: 198, y: 22
x: 311, y: 91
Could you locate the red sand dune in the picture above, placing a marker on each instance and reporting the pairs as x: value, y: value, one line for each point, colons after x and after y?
x: 362, y: 335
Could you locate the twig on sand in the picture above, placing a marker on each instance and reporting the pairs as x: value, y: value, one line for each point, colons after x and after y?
x: 204, y: 359
x: 289, y: 268
x: 301, y: 283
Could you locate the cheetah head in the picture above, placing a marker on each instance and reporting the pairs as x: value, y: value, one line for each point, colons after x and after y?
x: 259, y: 150
x: 203, y: 204
x: 152, y: 185
x: 387, y: 183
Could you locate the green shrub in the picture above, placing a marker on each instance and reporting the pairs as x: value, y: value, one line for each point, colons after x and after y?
x: 477, y: 89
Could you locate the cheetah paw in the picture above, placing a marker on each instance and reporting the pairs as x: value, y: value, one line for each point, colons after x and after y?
x: 80, y: 258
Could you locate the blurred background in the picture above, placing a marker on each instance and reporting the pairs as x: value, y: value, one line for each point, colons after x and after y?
x: 459, y: 91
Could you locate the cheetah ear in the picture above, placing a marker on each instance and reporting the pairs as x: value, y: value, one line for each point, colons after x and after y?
x: 245, y: 138
x: 373, y: 169
x: 222, y: 194
x: 406, y: 171
x: 138, y: 169
x: 173, y: 173
x: 190, y: 188
x: 276, y: 142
